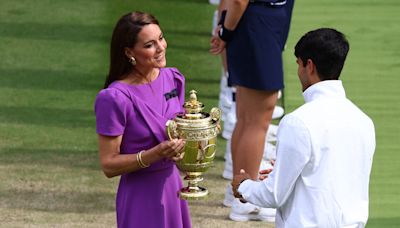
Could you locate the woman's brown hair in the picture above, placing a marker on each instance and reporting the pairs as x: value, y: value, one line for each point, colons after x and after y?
x: 125, y: 36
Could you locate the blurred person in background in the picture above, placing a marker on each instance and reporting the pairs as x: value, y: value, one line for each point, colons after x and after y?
x: 226, y: 99
x: 253, y: 33
x: 139, y: 96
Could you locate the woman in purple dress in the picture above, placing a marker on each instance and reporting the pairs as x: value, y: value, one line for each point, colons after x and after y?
x: 139, y: 96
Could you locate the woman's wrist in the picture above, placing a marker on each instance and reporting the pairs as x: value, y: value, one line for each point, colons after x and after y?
x: 140, y: 160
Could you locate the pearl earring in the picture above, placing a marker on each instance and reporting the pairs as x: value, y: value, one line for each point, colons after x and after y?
x: 132, y: 60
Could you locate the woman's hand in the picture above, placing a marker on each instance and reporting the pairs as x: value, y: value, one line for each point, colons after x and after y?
x: 171, y: 149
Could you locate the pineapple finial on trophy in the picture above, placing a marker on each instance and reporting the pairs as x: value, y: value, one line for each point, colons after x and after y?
x: 193, y: 106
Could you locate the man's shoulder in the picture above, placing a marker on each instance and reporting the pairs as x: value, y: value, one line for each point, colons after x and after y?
x: 301, y: 111
x: 305, y: 115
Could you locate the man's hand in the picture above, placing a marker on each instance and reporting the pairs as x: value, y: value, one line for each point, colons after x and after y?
x: 264, y: 173
x: 237, y: 180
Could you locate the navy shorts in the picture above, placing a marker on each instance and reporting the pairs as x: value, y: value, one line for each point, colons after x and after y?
x: 254, y: 54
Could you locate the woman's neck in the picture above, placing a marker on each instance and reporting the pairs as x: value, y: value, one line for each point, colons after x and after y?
x: 139, y: 76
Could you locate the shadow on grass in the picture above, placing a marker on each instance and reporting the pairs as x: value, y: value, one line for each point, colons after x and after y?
x: 68, y: 118
x: 58, y: 201
x: 55, y: 157
x: 64, y: 32
x: 49, y: 80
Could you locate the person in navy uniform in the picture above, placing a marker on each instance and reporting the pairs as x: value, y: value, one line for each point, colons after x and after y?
x: 254, y: 33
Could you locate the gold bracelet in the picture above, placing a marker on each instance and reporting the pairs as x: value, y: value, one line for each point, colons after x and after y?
x: 140, y: 161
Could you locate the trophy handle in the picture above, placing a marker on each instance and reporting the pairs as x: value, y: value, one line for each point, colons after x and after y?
x: 215, y: 114
x: 171, y: 129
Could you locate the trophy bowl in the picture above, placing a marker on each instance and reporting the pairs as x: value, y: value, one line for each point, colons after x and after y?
x: 199, y: 129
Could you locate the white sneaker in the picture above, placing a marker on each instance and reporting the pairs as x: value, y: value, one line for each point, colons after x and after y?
x: 228, y: 198
x: 242, y: 212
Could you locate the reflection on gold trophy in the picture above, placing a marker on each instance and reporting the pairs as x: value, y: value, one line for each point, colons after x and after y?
x: 199, y: 130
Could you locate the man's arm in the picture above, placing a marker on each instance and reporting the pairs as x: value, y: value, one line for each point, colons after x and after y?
x: 293, y: 153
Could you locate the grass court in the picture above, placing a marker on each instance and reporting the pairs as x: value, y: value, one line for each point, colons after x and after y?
x: 54, y: 59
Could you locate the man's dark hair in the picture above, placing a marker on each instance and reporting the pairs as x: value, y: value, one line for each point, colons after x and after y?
x: 327, y: 48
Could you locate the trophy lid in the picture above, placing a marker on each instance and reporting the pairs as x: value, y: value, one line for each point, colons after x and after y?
x: 193, y: 107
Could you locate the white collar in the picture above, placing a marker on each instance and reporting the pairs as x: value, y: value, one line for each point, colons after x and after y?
x: 327, y: 88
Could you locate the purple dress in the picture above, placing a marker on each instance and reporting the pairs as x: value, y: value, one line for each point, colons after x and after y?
x: 147, y: 197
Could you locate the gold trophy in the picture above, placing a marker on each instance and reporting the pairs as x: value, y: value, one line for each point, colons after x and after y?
x: 199, y: 130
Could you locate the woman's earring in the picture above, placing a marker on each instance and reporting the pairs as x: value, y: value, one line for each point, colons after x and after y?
x: 132, y: 60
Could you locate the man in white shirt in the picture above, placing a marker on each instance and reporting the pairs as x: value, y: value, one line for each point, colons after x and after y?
x: 324, y: 148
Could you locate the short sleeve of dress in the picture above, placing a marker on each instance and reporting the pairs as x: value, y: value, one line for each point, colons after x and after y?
x: 111, y: 108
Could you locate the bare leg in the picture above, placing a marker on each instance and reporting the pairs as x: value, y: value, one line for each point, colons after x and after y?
x: 254, y: 110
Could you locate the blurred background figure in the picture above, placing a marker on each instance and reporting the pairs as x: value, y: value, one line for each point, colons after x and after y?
x: 254, y: 63
x: 226, y: 93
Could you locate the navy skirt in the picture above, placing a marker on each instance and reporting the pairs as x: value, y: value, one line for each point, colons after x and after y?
x: 254, y: 54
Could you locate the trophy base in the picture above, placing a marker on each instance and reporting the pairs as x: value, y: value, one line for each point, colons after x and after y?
x: 193, y: 193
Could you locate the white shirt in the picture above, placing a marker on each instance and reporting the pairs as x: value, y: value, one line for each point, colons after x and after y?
x: 324, y: 158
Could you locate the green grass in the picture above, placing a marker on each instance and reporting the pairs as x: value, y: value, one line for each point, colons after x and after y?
x: 54, y: 58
